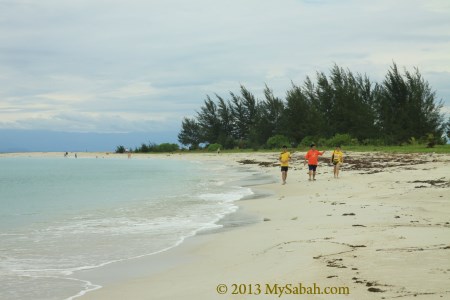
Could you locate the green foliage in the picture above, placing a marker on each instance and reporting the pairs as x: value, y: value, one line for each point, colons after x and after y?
x: 373, y: 142
x: 299, y: 116
x: 120, y: 149
x: 338, y: 108
x: 413, y: 141
x: 420, y: 148
x: 447, y: 128
x: 342, y: 140
x: 307, y: 141
x: 214, y: 147
x: 209, y: 122
x: 165, y: 147
x: 407, y: 107
x: 190, y: 133
x: 277, y: 141
x: 269, y: 119
x: 322, y: 142
x: 152, y: 147
x: 431, y: 140
x: 144, y: 148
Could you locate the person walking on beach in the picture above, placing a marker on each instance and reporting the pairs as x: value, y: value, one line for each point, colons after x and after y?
x: 337, y: 159
x: 285, y: 156
x: 312, y: 158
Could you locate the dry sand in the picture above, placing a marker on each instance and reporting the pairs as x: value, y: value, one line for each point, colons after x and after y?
x: 382, y: 230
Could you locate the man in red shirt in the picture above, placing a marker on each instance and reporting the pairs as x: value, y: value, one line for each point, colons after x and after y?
x: 312, y: 157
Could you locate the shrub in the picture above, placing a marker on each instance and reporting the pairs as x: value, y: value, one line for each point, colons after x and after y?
x: 167, y: 147
x: 373, y: 142
x: 413, y: 141
x: 307, y: 141
x: 342, y: 139
x: 214, y: 147
x: 323, y: 142
x: 277, y: 141
x: 430, y: 140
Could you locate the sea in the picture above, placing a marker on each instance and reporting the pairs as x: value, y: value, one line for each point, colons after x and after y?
x: 63, y: 215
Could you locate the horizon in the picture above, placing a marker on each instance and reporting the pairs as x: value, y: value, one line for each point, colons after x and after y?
x: 43, y: 141
x: 89, y: 73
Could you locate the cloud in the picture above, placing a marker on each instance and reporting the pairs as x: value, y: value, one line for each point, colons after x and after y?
x: 90, y: 122
x: 135, y: 89
x: 67, y: 99
x: 106, y: 66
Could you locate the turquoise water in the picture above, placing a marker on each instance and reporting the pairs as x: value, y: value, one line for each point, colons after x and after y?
x: 61, y: 215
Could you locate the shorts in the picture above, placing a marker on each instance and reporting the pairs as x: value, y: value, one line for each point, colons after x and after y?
x: 284, y: 169
x: 335, y: 162
x: 312, y: 167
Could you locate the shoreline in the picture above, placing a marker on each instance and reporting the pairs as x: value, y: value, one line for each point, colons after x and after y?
x: 237, y: 219
x: 374, y: 231
x: 382, y: 230
x: 176, y: 255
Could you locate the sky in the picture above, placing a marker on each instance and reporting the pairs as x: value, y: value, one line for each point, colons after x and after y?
x: 74, y: 73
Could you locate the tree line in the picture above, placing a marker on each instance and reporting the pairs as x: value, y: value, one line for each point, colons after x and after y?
x: 150, y: 147
x: 339, y: 107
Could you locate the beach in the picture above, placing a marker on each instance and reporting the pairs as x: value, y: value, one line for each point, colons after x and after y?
x: 380, y: 231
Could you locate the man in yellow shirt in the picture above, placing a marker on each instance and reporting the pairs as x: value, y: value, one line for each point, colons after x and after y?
x: 285, y: 156
x: 337, y: 159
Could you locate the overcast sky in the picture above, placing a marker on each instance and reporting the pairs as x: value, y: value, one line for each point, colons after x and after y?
x: 141, y: 66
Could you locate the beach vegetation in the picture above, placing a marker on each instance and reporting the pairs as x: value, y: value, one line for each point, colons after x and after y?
x: 335, y: 108
x: 407, y: 106
x: 154, y: 148
x: 342, y: 140
x: 277, y: 141
x: 120, y: 149
x: 144, y: 148
x: 447, y: 128
x: 214, y: 147
x: 165, y: 147
x: 190, y: 134
x: 412, y: 141
x: 419, y: 148
x: 308, y: 140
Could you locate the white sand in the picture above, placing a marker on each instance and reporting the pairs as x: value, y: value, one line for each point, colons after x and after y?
x: 366, y: 230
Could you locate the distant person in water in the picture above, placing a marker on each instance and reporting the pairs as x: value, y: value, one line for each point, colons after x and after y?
x: 65, y: 154
x: 312, y: 158
x: 285, y: 156
x: 337, y: 159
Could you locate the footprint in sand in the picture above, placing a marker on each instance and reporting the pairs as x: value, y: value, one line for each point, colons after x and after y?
x: 281, y: 198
